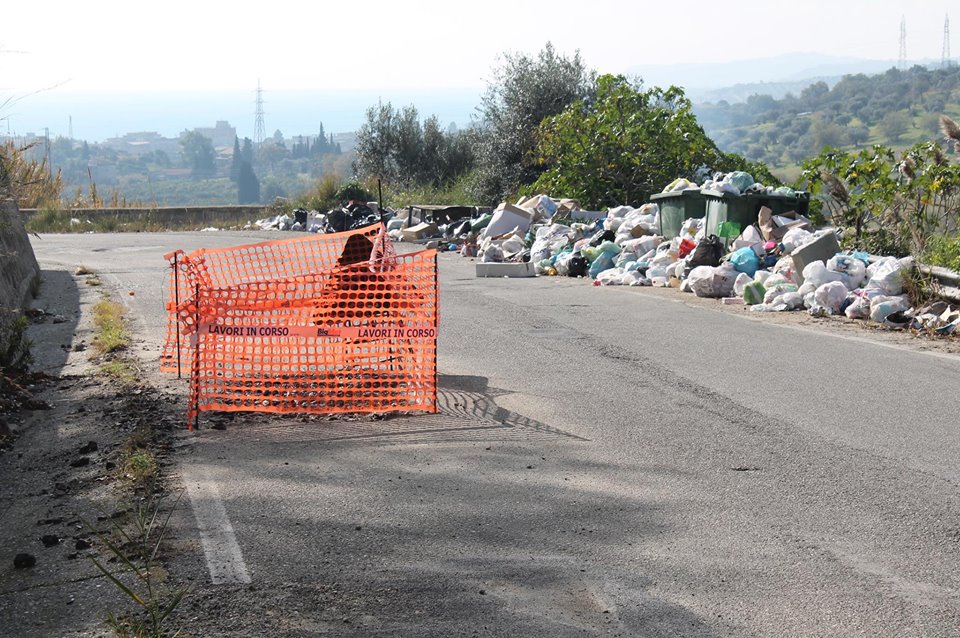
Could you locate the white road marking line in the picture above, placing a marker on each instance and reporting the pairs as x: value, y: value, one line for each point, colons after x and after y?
x: 224, y: 559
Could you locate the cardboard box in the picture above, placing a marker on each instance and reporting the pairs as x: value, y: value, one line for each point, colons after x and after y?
x: 420, y: 231
x: 774, y: 227
x: 506, y: 269
x: 506, y: 219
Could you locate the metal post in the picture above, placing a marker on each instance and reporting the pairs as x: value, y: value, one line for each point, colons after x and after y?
x: 436, y: 333
x: 380, y: 199
x: 176, y: 298
x: 196, y: 362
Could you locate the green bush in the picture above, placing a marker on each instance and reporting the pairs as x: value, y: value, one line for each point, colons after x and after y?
x: 943, y: 251
x: 14, y: 346
x: 353, y: 191
x: 49, y: 218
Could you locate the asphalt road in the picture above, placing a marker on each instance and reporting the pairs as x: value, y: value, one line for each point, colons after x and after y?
x: 607, y: 462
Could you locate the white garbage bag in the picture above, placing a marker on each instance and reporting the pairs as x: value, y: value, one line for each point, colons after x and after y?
x: 886, y: 275
x: 740, y: 283
x: 859, y: 309
x: 853, y: 268
x: 831, y: 296
x: 707, y: 281
x: 795, y: 238
x: 611, y: 277
x: 884, y: 306
x: 817, y: 274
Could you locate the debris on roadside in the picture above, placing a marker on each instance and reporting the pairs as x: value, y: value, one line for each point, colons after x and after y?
x: 351, y: 216
x: 729, y: 238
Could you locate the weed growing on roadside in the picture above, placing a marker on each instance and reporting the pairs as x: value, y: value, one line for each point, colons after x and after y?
x: 135, y: 545
x: 919, y: 287
x: 111, y: 333
x: 35, y: 284
x: 121, y: 371
x: 14, y: 346
x: 139, y: 465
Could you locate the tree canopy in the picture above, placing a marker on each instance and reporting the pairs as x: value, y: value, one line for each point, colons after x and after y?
x: 624, y: 145
x: 393, y: 144
x: 198, y: 153
x: 524, y: 91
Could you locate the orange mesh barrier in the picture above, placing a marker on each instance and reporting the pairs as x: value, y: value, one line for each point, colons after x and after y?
x: 355, y: 332
x: 175, y: 356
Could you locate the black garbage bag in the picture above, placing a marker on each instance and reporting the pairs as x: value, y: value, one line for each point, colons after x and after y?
x: 339, y: 220
x: 578, y: 266
x: 602, y: 236
x: 463, y: 228
x: 362, y: 221
x: 707, y: 253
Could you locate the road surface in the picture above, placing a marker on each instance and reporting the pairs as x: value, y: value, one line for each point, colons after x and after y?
x: 627, y: 462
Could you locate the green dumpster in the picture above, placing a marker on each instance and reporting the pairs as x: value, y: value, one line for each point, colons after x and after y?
x: 677, y: 207
x: 727, y: 207
x: 745, y: 209
x: 780, y: 204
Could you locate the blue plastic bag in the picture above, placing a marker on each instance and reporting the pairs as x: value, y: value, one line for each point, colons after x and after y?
x: 601, y: 263
x: 741, y: 180
x: 745, y: 260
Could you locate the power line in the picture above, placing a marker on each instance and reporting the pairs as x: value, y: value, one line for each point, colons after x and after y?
x: 945, y: 59
x: 259, y: 130
x: 902, y: 62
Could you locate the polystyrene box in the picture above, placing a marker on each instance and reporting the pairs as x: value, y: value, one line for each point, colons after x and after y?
x: 507, y: 269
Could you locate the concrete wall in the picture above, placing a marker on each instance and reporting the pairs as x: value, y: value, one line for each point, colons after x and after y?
x: 200, y: 215
x: 18, y: 265
x: 18, y: 274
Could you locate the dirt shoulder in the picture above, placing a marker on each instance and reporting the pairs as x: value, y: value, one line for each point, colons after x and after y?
x: 62, y: 476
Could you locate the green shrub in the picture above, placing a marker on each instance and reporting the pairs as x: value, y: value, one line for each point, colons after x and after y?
x: 353, y: 191
x: 14, y: 346
x: 943, y: 251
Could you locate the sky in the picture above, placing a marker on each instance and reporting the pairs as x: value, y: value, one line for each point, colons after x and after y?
x: 64, y: 50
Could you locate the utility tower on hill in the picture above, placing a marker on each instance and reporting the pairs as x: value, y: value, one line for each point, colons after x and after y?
x: 259, y: 131
x: 902, y: 61
x: 945, y: 60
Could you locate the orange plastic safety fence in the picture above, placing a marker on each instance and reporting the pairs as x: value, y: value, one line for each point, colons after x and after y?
x: 354, y: 333
x: 175, y: 356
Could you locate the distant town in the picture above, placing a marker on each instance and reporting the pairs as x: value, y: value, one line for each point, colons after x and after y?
x: 200, y: 165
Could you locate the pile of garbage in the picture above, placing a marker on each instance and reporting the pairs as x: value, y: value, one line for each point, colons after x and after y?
x: 780, y: 263
x: 353, y: 215
x: 735, y: 183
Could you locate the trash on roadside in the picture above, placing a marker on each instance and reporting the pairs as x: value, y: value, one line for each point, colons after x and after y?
x: 778, y: 262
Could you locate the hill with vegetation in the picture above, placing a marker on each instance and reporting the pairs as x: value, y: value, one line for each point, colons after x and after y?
x: 895, y: 108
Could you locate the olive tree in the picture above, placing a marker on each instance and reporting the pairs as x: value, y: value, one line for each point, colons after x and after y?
x: 524, y: 90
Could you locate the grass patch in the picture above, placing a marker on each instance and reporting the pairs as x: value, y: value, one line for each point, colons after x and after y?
x: 111, y: 331
x: 138, y: 464
x: 35, y: 284
x: 121, y: 371
x: 48, y: 220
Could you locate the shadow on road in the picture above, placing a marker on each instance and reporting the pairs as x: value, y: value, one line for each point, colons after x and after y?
x: 473, y: 521
x: 467, y: 411
x: 53, y: 336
